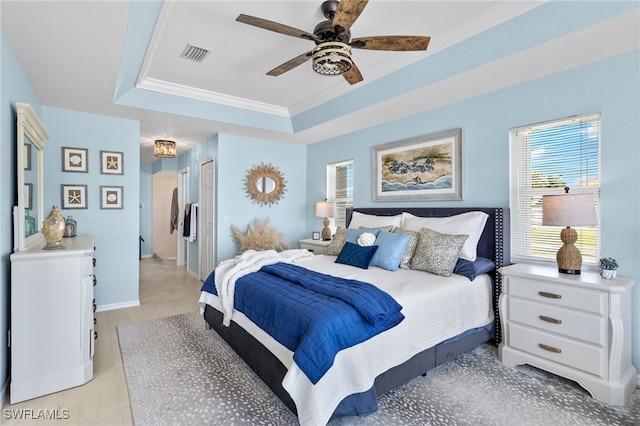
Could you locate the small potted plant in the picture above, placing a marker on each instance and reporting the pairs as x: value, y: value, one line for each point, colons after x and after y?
x: 608, y: 267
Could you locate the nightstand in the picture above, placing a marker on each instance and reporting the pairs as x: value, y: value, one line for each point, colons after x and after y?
x: 315, y: 246
x: 575, y: 326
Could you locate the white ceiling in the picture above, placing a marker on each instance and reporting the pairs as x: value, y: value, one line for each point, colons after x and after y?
x: 72, y: 52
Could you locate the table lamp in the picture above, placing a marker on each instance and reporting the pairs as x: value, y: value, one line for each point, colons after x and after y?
x: 569, y: 210
x: 326, y: 209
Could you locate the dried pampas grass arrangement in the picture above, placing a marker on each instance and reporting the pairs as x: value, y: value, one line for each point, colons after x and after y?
x: 259, y: 236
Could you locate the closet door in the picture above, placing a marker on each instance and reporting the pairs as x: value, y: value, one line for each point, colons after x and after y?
x: 206, y: 218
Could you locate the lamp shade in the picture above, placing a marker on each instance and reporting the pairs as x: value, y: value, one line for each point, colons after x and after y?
x: 569, y: 210
x: 325, y: 209
x: 164, y: 149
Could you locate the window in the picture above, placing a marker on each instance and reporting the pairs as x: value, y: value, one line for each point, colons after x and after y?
x: 340, y: 189
x: 544, y: 158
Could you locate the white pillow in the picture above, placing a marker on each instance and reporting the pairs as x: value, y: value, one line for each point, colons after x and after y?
x: 470, y: 223
x: 372, y: 221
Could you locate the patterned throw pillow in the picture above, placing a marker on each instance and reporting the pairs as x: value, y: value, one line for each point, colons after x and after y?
x: 335, y: 246
x: 410, y: 249
x: 437, y: 253
x: 354, y: 255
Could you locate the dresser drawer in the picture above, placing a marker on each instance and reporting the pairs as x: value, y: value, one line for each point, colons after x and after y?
x: 579, y: 325
x: 560, y: 295
x: 582, y: 356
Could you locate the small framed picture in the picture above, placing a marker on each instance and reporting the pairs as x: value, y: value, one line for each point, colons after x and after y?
x: 28, y: 196
x: 27, y: 156
x: 315, y: 235
x: 111, y: 197
x: 111, y: 163
x: 74, y: 197
x: 75, y: 160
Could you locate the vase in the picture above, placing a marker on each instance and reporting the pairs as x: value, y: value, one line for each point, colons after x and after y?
x: 29, y: 224
x: 70, y: 227
x: 608, y: 274
x: 53, y: 229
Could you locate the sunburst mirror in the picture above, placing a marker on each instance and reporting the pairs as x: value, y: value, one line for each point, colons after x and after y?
x: 265, y: 184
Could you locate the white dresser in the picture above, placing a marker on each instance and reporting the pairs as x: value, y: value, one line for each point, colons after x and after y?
x: 52, y: 325
x: 576, y: 326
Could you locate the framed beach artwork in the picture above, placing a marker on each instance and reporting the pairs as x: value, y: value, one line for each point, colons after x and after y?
x: 425, y: 168
x: 74, y: 196
x: 75, y: 160
x: 111, y: 163
x: 110, y: 197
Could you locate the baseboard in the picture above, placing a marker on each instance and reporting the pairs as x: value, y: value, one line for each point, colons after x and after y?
x: 194, y: 274
x: 3, y: 392
x: 113, y: 306
x: 146, y: 256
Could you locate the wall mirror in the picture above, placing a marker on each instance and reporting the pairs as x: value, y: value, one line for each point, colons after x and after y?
x: 265, y: 184
x: 28, y: 214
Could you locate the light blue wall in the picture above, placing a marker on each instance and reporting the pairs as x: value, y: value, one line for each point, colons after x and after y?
x: 236, y: 156
x: 14, y: 87
x: 115, y: 231
x: 611, y: 87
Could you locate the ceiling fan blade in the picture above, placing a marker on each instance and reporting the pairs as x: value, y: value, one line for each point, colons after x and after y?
x: 275, y: 26
x: 291, y: 64
x: 397, y: 43
x: 353, y: 76
x: 347, y: 12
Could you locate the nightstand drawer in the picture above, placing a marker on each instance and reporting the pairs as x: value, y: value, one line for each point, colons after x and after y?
x: 582, y: 356
x: 573, y: 324
x: 591, y: 301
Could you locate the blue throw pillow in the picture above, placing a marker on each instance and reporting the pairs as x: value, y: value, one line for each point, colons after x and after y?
x: 355, y: 255
x: 471, y: 270
x: 353, y: 234
x: 390, y: 250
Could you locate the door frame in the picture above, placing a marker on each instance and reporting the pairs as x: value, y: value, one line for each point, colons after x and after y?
x: 213, y: 212
x: 182, y: 254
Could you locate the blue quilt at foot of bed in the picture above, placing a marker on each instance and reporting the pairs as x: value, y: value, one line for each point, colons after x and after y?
x: 312, y: 314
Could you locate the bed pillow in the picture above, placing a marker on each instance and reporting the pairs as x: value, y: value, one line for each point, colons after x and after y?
x: 353, y: 234
x: 437, y: 253
x: 355, y: 255
x: 362, y: 220
x: 470, y: 223
x: 471, y: 270
x: 410, y: 249
x: 335, y: 246
x: 390, y: 250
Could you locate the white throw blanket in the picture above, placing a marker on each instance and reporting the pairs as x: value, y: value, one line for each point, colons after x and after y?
x: 229, y: 271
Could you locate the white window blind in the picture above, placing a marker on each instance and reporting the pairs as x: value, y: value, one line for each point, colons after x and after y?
x: 544, y: 159
x: 340, y: 189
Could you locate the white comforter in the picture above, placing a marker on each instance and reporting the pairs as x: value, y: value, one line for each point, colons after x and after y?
x: 435, y: 308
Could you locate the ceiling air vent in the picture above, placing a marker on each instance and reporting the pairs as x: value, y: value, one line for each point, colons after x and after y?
x: 194, y: 53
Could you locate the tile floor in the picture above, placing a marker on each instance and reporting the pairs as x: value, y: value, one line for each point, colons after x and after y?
x: 164, y: 290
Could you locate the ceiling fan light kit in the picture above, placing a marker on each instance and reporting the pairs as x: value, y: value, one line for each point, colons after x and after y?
x: 332, y: 54
x: 332, y: 58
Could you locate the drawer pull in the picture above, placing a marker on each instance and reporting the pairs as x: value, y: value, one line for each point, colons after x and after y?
x: 549, y: 295
x: 549, y: 319
x: 549, y: 348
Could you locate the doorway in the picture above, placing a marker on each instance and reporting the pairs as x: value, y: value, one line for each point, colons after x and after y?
x: 182, y: 254
x: 163, y: 240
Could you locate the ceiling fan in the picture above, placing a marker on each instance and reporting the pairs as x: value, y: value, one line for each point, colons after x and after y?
x: 332, y: 54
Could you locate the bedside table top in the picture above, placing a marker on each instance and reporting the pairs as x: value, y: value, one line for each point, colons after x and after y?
x: 312, y: 242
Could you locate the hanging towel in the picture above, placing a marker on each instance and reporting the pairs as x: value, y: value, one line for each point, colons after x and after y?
x: 173, y: 220
x: 186, y: 230
x: 190, y: 223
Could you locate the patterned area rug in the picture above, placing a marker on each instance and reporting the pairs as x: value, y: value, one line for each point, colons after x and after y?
x: 178, y: 372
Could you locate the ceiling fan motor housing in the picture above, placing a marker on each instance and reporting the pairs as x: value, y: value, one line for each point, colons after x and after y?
x: 325, y: 31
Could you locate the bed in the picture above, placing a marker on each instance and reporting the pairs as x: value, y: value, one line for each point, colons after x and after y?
x: 417, y: 347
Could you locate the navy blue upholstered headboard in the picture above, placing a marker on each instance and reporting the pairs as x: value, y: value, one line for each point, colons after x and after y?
x: 494, y: 243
